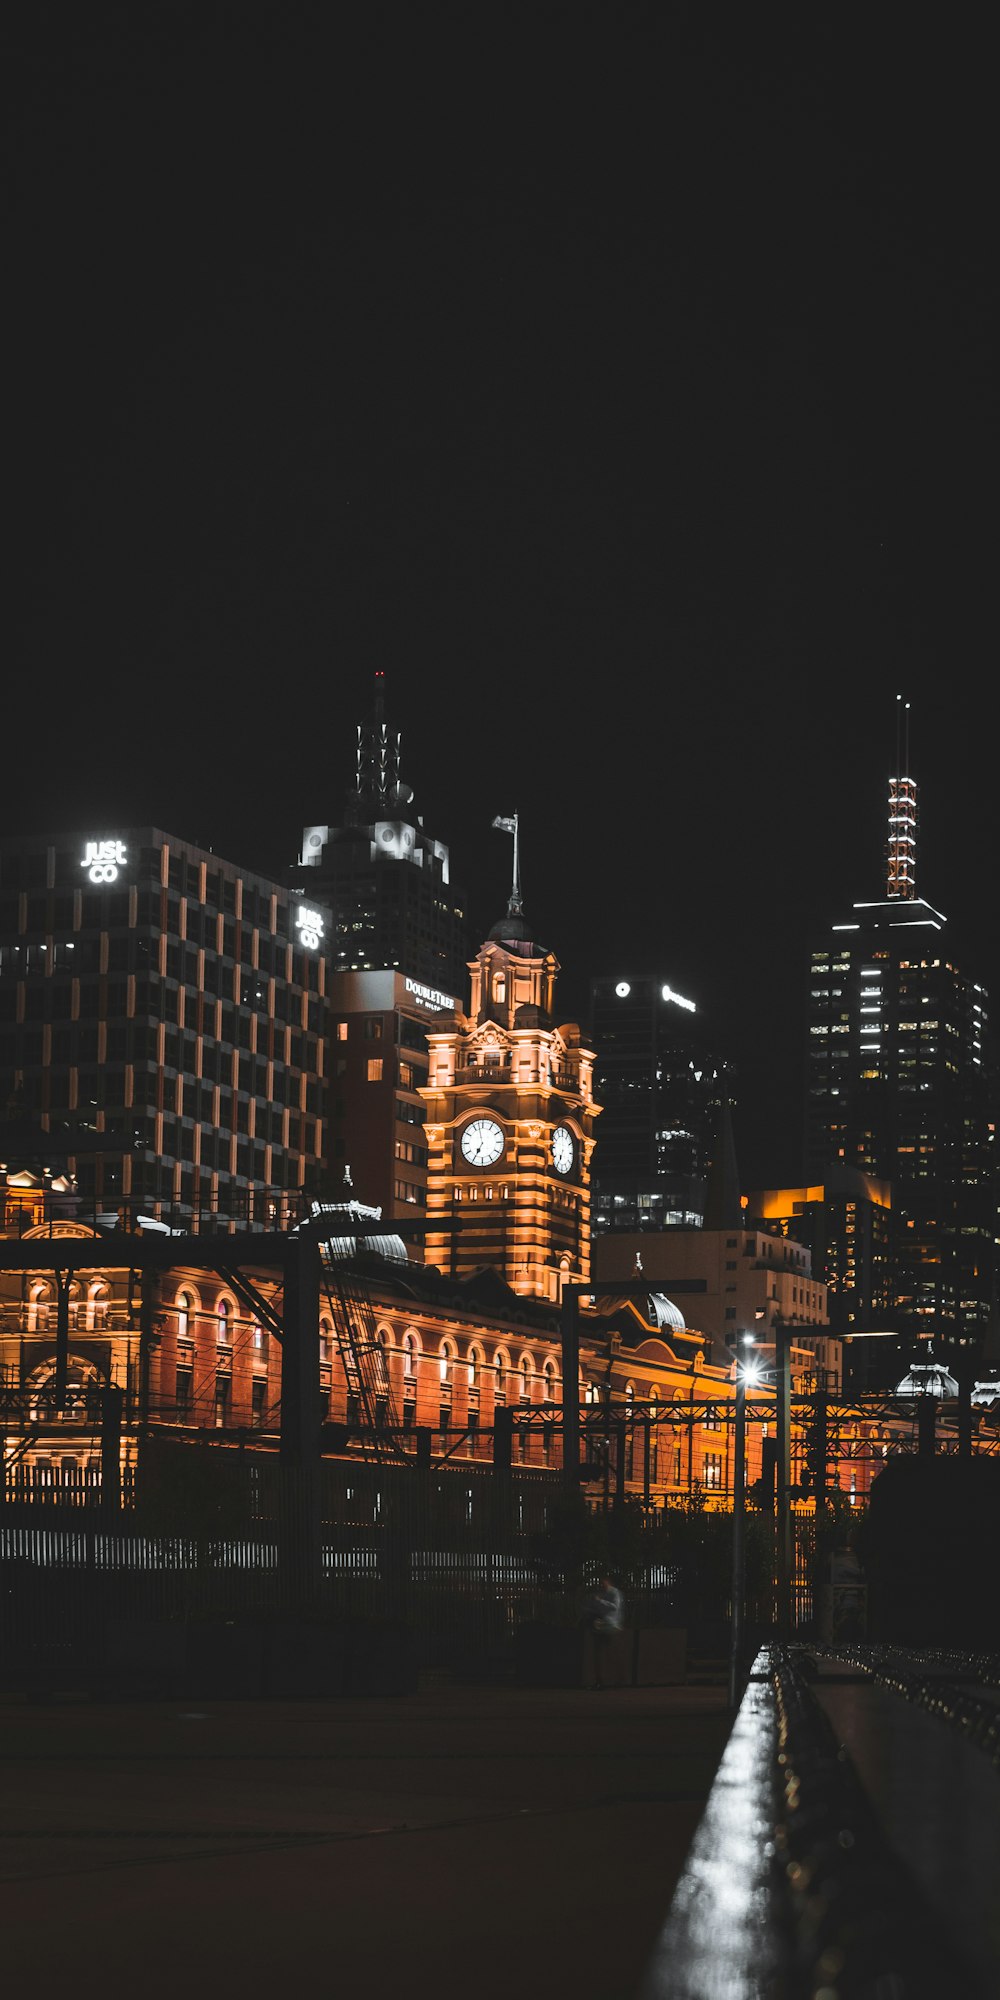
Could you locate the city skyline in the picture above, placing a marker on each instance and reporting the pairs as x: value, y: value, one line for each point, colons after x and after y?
x: 625, y: 395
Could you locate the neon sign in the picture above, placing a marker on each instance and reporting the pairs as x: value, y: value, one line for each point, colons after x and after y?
x: 103, y: 858
x: 309, y: 925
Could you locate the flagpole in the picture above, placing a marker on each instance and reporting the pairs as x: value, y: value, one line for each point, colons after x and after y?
x: 507, y: 823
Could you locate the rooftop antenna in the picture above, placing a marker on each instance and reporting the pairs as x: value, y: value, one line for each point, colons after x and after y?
x: 507, y: 823
x: 901, y: 848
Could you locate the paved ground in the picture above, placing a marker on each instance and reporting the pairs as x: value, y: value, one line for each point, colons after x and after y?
x: 480, y: 1842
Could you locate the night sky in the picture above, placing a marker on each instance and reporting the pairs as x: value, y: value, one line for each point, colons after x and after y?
x: 619, y: 380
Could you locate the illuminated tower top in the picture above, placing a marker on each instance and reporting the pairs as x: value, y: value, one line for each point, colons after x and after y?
x: 901, y: 847
x: 385, y: 880
x: 379, y: 791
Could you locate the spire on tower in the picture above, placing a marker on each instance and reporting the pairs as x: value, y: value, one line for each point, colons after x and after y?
x: 379, y: 791
x: 901, y: 848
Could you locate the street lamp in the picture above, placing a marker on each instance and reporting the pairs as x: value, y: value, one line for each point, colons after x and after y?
x: 746, y: 1371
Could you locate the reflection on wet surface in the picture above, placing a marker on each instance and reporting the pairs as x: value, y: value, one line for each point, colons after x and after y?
x: 717, y: 1942
x: 938, y: 1802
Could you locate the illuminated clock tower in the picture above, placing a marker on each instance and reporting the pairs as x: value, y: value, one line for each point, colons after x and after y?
x: 509, y: 1124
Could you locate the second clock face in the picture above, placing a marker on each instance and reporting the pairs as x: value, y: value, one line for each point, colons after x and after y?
x: 562, y: 1149
x: 482, y: 1142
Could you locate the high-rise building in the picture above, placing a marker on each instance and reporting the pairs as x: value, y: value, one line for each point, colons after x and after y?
x: 661, y: 1086
x: 846, y: 1224
x: 510, y: 1116
x: 897, y: 1087
x: 735, y: 1281
x: 162, y: 1018
x: 386, y: 882
x: 377, y: 1067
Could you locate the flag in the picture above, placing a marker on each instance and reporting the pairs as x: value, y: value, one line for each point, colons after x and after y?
x: 506, y: 825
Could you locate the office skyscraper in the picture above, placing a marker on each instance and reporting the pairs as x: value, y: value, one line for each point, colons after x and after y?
x: 387, y: 883
x: 661, y: 1086
x: 897, y: 1087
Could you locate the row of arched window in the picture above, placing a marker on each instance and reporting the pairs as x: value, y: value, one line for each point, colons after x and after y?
x: 509, y: 1374
x: 89, y: 1305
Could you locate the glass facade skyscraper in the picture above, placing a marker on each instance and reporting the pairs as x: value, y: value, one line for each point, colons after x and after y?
x: 661, y: 1085
x: 898, y: 1086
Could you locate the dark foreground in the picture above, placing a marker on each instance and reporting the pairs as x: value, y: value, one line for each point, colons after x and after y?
x: 470, y: 1841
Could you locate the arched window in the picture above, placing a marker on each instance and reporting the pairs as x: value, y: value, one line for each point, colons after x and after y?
x: 592, y: 1393
x: 500, y: 986
x: 549, y: 1378
x: 501, y: 1364
x: 185, y: 1307
x: 225, y: 1328
x: 410, y: 1351
x: 474, y: 1369
x: 39, y: 1300
x: 446, y: 1362
x: 325, y: 1336
x: 98, y: 1304
x: 526, y: 1374
x: 39, y: 1309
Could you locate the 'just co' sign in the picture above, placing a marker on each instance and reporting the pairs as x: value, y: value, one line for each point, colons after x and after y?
x: 103, y: 858
x: 309, y: 925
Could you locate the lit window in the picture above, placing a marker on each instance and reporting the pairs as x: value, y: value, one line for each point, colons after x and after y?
x: 375, y: 1069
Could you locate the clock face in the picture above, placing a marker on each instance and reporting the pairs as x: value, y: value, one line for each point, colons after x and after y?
x: 562, y: 1149
x: 482, y: 1142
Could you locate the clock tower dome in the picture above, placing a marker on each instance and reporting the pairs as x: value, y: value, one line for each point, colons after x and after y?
x: 509, y: 1123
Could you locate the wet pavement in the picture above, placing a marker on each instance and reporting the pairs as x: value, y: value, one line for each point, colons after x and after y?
x: 613, y: 1844
x: 850, y: 1845
x: 456, y: 1840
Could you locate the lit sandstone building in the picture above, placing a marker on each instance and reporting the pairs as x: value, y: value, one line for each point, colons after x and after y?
x: 509, y: 1126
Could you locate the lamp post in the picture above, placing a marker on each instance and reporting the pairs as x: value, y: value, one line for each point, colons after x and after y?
x: 783, y: 1498
x: 745, y: 1371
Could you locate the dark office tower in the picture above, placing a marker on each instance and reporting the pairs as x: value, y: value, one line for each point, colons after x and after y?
x: 661, y: 1086
x: 897, y: 1087
x: 161, y: 1021
x: 386, y: 882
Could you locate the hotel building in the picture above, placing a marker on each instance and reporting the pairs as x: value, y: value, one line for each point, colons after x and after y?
x: 162, y: 1018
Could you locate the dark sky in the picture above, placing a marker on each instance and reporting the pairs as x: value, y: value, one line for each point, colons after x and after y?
x: 618, y: 379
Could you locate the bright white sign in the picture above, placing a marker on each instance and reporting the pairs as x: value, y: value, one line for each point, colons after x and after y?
x: 103, y: 858
x: 667, y: 993
x: 441, y: 1002
x: 309, y: 924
